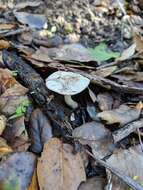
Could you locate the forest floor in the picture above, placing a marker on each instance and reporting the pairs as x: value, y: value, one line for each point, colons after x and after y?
x: 71, y: 92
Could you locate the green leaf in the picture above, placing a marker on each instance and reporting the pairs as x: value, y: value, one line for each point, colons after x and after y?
x: 102, y: 53
x: 21, y: 109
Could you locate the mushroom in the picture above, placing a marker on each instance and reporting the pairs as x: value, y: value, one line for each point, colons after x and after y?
x: 67, y: 84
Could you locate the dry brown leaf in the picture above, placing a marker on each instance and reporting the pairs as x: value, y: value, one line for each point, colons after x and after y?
x: 130, y: 162
x: 122, y: 115
x: 72, y: 52
x: 41, y: 55
x: 2, y: 6
x: 91, y: 131
x: 105, y: 101
x: 138, y: 76
x: 20, y: 144
x: 2, y: 123
x: 4, y: 148
x: 22, y: 5
x: 26, y: 38
x: 134, y: 76
x: 4, y: 44
x: 95, y: 183
x: 34, y: 183
x: 96, y: 136
x: 12, y: 98
x: 139, y: 42
x: 16, y: 129
x: 6, y: 79
x: 105, y: 72
x: 40, y: 130
x: 58, y: 168
x: 127, y: 53
x: 6, y: 26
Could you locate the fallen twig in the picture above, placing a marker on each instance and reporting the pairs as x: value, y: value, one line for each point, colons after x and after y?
x: 126, y: 130
x: 15, y: 32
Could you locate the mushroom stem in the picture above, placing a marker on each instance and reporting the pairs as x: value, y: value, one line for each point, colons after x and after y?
x: 70, y: 102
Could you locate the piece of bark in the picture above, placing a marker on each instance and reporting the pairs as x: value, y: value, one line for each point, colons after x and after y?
x: 127, y: 130
x: 37, y: 88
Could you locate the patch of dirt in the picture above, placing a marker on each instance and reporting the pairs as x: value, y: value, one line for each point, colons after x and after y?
x: 83, y: 19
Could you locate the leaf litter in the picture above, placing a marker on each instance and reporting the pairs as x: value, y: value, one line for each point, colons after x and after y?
x: 94, y: 139
x: 59, y: 162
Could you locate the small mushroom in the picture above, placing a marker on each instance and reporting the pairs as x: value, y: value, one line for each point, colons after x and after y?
x: 67, y: 84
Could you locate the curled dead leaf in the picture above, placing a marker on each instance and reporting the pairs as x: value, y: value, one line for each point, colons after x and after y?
x: 96, y: 136
x: 122, y: 115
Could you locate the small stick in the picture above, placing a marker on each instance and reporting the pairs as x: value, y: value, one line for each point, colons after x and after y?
x: 127, y: 130
x: 15, y: 32
x: 140, y: 140
x: 128, y: 180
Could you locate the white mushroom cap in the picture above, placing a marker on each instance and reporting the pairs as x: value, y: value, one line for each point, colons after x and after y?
x: 67, y: 83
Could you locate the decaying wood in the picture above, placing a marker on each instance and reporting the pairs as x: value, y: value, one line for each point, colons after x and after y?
x: 37, y: 88
x: 126, y: 130
x: 129, y: 181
